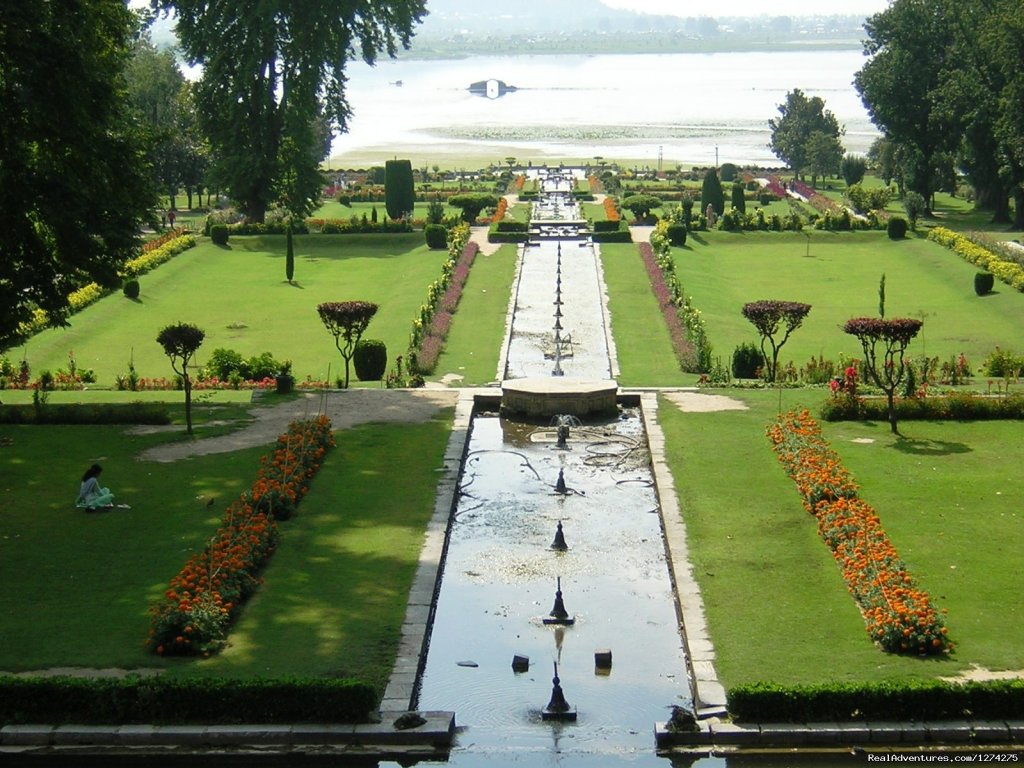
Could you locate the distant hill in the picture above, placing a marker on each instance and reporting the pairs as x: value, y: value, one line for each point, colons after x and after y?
x: 446, y: 16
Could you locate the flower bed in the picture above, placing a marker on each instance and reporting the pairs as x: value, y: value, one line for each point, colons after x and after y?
x: 430, y: 330
x: 611, y: 209
x: 195, y: 613
x: 898, y: 615
x: 1002, y: 267
x: 665, y: 294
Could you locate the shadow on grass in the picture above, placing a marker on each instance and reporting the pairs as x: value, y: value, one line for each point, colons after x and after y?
x: 698, y: 238
x: 929, y: 447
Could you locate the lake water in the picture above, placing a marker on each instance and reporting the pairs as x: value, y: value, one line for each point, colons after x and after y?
x: 627, y: 107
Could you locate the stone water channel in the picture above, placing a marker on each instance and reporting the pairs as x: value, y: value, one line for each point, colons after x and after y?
x: 501, y: 573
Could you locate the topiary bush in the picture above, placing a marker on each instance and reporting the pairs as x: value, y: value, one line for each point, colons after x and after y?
x: 131, y: 288
x: 677, y: 234
x: 219, y: 234
x: 896, y: 228
x: 436, y: 235
x: 370, y: 359
x: 746, y: 360
x: 983, y: 282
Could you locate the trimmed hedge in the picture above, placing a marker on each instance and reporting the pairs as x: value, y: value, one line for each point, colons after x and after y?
x: 984, y: 282
x: 620, y: 234
x: 887, y: 700
x: 508, y: 232
x: 100, y: 413
x: 607, y: 225
x: 92, y: 701
x: 960, y: 406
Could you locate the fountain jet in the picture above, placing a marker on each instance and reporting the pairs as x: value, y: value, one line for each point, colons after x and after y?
x: 558, y: 613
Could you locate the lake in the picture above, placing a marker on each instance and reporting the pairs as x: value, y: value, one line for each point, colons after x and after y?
x: 633, y: 108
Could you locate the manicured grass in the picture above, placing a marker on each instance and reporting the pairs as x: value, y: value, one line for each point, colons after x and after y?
x: 723, y: 271
x: 334, y: 594
x: 79, y: 585
x: 777, y: 606
x: 641, y: 337
x: 335, y: 210
x: 478, y: 328
x: 240, y: 298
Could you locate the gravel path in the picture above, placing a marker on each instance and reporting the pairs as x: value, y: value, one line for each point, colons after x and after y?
x: 345, y: 408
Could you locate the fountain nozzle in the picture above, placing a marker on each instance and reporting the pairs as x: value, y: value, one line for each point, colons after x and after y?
x: 559, y: 542
x: 558, y: 708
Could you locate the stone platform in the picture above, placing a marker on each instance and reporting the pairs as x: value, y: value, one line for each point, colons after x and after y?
x: 544, y: 398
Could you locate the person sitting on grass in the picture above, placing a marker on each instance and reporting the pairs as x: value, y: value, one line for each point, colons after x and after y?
x: 91, y: 496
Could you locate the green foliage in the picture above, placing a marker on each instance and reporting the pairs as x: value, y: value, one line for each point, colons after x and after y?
x: 739, y: 199
x: 264, y: 146
x: 399, y: 188
x: 806, y: 135
x: 370, y: 359
x: 746, y: 361
x: 346, y: 321
x: 165, y: 699
x: 472, y: 203
x: 728, y: 172
x: 959, y: 406
x: 894, y: 700
x: 853, y: 168
x: 131, y: 288
x: 641, y: 205
x: 219, y: 234
x: 612, y: 232
x: 93, y: 413
x: 864, y: 200
x: 677, y: 235
x: 436, y: 236
x: 711, y: 193
x: 1002, y: 363
x: 915, y: 205
x: 769, y: 317
x: 896, y: 228
x: 74, y: 184
x: 983, y: 282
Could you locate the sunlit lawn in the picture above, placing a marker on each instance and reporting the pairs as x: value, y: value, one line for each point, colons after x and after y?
x: 838, y: 275
x: 240, y: 298
x: 777, y: 605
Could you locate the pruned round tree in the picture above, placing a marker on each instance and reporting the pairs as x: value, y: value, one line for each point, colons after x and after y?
x: 472, y: 203
x: 180, y: 342
x: 885, y: 342
x: 399, y: 188
x: 346, y: 320
x: 641, y: 205
x: 770, y: 317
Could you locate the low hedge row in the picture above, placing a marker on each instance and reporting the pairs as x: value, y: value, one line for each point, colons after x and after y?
x: 99, y: 413
x: 888, y: 700
x: 94, y: 701
x: 961, y: 406
x: 620, y: 234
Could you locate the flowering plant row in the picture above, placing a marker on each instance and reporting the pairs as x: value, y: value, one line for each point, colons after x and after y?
x: 499, y: 212
x: 1008, y: 271
x: 430, y: 329
x: 899, y: 616
x: 611, y: 209
x: 693, y: 350
x: 172, y: 234
x: 196, y: 610
x: 154, y: 257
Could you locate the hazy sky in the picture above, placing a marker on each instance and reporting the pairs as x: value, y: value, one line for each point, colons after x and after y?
x: 751, y: 7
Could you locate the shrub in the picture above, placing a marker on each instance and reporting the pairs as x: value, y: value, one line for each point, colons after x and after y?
x: 223, y: 362
x: 1003, y: 364
x: 896, y: 228
x: 983, y: 282
x: 219, y: 234
x: 399, y: 188
x: 131, y: 288
x: 370, y: 359
x: 436, y: 235
x: 729, y: 172
x: 746, y: 360
x: 94, y: 413
x: 677, y: 235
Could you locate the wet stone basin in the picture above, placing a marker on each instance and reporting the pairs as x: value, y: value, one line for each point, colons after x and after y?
x: 499, y: 583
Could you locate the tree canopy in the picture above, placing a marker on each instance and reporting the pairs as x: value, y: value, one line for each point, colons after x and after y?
x: 805, y: 136
x: 641, y: 205
x: 767, y: 316
x: 73, y: 182
x: 472, y: 203
x: 274, y: 72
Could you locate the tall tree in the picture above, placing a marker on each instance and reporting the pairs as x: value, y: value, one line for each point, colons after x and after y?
x: 908, y: 46
x: 270, y: 69
x: 73, y: 182
x: 799, y: 119
x: 399, y: 188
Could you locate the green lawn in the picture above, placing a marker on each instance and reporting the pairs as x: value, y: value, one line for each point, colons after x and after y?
x: 478, y: 329
x: 839, y: 279
x: 777, y: 605
x: 240, y: 298
x: 78, y: 585
x: 641, y: 337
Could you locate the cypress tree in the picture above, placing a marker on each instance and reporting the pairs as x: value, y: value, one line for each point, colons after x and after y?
x: 711, y: 192
x: 739, y: 200
x: 399, y: 190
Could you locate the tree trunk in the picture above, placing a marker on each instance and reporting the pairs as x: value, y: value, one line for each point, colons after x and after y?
x: 188, y: 402
x: 188, y: 194
x: 289, y: 259
x: 1018, y: 201
x: 891, y: 397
